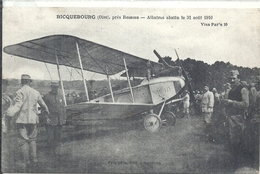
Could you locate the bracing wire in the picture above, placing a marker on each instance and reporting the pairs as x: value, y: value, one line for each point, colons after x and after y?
x: 70, y: 71
x: 70, y: 65
x: 92, y: 76
x: 48, y: 70
x: 71, y: 76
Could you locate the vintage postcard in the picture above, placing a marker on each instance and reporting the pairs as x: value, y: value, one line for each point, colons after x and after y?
x: 130, y: 87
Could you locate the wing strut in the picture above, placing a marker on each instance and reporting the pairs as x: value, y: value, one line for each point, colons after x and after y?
x: 61, y: 82
x: 126, y: 70
x: 110, y: 87
x: 82, y: 74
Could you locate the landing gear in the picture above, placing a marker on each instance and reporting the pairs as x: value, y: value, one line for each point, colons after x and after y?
x: 152, y: 123
x: 168, y: 118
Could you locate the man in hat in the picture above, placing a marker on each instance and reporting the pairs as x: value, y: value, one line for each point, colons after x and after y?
x: 25, y: 107
x: 56, y: 118
x: 236, y: 106
x: 207, y: 104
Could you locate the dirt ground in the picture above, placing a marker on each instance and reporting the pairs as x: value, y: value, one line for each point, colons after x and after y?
x: 124, y: 146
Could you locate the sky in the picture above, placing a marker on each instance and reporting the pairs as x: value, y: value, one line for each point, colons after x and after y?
x: 238, y: 42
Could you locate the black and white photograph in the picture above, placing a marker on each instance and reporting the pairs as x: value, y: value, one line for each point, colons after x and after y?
x: 130, y: 87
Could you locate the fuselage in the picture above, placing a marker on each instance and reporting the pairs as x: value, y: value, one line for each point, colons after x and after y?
x: 146, y: 95
x: 153, y: 91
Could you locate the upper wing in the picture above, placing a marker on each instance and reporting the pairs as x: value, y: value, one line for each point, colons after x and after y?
x: 95, y: 57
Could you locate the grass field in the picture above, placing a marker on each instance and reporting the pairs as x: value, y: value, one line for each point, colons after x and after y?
x: 124, y: 146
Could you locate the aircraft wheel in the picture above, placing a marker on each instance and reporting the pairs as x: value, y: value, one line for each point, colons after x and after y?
x: 168, y: 118
x: 152, y: 123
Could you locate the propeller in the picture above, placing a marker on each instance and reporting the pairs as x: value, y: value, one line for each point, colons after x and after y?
x: 168, y: 69
x: 188, y: 83
x: 161, y: 59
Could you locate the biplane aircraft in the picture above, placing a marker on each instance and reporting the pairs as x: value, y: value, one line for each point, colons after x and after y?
x: 156, y: 90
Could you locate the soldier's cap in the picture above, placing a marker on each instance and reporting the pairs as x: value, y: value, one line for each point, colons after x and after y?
x: 26, y: 77
x: 233, y: 73
x: 55, y: 84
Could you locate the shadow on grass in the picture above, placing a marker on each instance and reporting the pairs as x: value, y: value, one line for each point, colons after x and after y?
x: 95, y: 129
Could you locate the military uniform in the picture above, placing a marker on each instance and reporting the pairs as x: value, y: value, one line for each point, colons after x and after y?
x: 57, y: 116
x: 236, y: 113
x: 25, y: 107
x: 236, y: 107
x: 207, y: 103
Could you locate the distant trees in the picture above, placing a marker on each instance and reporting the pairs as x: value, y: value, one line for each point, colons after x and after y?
x: 214, y: 75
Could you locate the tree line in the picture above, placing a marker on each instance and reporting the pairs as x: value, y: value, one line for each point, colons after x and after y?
x: 215, y: 75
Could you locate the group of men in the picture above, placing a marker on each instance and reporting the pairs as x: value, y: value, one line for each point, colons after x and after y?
x: 22, y: 110
x: 239, y: 106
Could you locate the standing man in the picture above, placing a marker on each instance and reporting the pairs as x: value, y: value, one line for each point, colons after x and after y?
x: 236, y: 107
x: 216, y: 97
x: 25, y: 106
x: 56, y: 118
x: 223, y: 116
x: 216, y: 107
x: 198, y: 97
x: 186, y: 104
x: 224, y: 94
x: 207, y: 104
x: 218, y: 118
